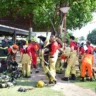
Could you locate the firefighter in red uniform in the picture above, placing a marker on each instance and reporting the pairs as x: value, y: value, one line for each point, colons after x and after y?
x: 12, y: 55
x: 49, y: 67
x: 81, y: 49
x: 71, y: 61
x: 34, y: 49
x: 87, y: 62
x: 53, y: 59
x: 25, y: 59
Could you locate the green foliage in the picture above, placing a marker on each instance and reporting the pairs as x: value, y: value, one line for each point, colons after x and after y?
x: 43, y: 14
x: 79, y: 14
x: 41, y: 11
x: 68, y: 34
x: 92, y: 37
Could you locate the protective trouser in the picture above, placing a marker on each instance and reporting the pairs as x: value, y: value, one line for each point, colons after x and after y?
x: 26, y: 65
x: 84, y: 67
x: 52, y: 64
x: 34, y: 60
x: 58, y: 64
x: 45, y: 64
x: 71, y: 67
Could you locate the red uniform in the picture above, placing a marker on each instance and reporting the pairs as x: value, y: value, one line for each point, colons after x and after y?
x: 81, y: 51
x: 29, y: 49
x: 21, y: 50
x: 73, y: 45
x: 11, y: 52
x: 87, y: 62
x: 89, y: 50
x: 32, y: 50
x: 12, y: 55
x: 54, y: 48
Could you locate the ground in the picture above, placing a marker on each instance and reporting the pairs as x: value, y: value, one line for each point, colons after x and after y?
x: 62, y: 88
x: 68, y: 88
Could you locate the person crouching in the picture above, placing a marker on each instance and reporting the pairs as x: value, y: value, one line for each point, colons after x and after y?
x: 87, y: 62
x: 11, y: 59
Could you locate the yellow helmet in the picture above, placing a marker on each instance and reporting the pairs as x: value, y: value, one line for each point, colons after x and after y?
x: 40, y: 84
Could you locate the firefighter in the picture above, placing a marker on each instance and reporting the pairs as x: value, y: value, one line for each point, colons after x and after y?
x: 53, y: 56
x: 34, y: 55
x: 87, y: 62
x: 71, y: 67
x: 12, y: 51
x: 3, y: 57
x: 49, y: 58
x: 26, y: 62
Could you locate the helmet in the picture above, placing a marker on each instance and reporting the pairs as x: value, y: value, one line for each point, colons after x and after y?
x: 40, y: 84
x: 15, y: 46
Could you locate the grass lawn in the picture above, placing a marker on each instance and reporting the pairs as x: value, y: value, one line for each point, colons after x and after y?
x: 12, y: 91
x: 86, y: 84
x: 91, y: 85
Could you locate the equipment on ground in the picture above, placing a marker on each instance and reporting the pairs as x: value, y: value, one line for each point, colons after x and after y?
x: 40, y: 84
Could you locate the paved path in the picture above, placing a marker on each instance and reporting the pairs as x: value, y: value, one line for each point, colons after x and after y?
x: 68, y: 88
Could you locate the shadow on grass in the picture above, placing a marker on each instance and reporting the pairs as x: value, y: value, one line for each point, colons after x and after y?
x: 26, y: 83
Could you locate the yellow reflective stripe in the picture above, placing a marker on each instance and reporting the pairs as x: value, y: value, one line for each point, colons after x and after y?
x: 3, y: 48
x: 3, y: 57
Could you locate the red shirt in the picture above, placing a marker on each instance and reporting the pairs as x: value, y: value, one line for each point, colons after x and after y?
x: 29, y: 48
x: 54, y: 48
x: 37, y: 46
x: 73, y: 45
x: 63, y: 57
x: 11, y: 52
x: 60, y: 46
x: 9, y: 49
x: 21, y: 50
x: 81, y: 51
x: 89, y: 50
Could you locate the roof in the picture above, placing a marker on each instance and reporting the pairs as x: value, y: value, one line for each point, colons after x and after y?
x: 7, y: 30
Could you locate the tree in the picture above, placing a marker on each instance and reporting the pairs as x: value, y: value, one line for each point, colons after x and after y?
x: 41, y: 12
x: 92, y: 37
x: 67, y: 37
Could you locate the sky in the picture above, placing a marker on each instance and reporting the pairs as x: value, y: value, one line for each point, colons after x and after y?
x: 86, y: 29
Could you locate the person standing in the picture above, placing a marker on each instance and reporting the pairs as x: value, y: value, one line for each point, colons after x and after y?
x: 53, y: 56
x: 26, y: 62
x: 71, y: 63
x: 34, y: 49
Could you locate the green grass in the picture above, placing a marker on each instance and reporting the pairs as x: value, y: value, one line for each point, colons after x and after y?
x: 86, y: 84
x: 91, y: 85
x: 45, y: 91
